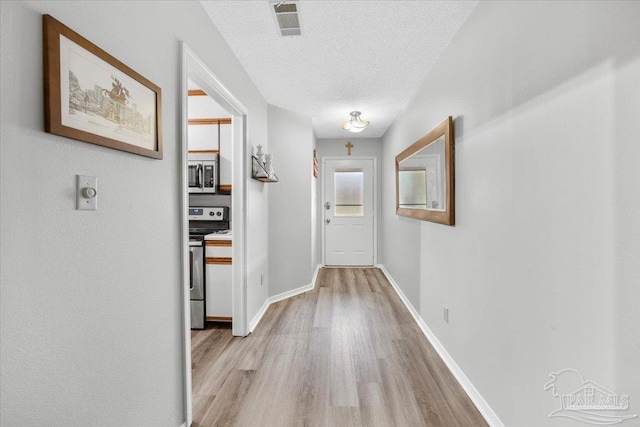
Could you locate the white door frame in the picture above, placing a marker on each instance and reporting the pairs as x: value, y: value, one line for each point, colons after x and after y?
x: 193, y: 67
x: 321, y: 218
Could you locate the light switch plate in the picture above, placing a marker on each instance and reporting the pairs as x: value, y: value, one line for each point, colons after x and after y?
x: 86, y: 200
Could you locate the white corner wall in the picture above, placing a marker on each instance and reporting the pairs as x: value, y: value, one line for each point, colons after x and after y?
x: 90, y: 320
x: 540, y: 272
x: 291, y: 206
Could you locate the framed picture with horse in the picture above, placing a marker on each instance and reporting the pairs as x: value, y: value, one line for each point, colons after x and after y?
x: 92, y: 97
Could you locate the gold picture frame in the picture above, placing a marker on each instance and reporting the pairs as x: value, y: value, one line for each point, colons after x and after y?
x: 425, y: 177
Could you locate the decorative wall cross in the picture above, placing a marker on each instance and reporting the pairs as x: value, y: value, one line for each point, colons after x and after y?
x: 349, y: 146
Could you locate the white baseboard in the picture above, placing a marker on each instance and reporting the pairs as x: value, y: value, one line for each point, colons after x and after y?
x: 280, y: 297
x: 489, y: 415
x: 256, y: 319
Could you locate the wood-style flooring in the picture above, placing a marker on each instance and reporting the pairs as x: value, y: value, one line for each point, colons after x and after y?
x: 347, y: 353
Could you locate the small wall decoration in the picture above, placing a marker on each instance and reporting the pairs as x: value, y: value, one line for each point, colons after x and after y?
x: 268, y: 165
x: 262, y: 171
x: 315, y: 163
x: 349, y: 146
x: 92, y: 97
x: 262, y: 166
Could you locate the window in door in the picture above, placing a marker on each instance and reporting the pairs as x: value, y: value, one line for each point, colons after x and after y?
x: 349, y: 189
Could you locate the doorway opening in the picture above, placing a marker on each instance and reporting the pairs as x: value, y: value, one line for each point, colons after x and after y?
x: 349, y: 219
x: 197, y: 76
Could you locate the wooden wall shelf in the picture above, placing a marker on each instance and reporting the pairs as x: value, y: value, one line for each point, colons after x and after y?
x: 265, y: 179
x: 259, y: 173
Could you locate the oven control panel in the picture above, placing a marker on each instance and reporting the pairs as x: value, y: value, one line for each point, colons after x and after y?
x: 208, y: 214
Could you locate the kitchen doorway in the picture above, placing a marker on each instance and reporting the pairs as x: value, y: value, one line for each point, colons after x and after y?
x: 196, y: 72
x: 349, y: 211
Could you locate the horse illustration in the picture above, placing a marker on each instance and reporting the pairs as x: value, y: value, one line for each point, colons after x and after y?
x: 118, y: 92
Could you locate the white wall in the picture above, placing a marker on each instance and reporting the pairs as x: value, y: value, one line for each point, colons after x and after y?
x: 291, y: 141
x: 91, y: 301
x: 540, y: 272
x: 371, y: 147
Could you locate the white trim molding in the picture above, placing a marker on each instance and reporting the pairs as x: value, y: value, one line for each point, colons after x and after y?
x: 282, y: 296
x: 193, y: 68
x: 483, y: 406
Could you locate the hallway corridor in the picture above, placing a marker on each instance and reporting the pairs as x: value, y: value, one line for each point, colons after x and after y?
x: 347, y: 353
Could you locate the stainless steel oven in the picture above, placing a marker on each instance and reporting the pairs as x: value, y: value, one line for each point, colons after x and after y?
x: 203, y: 173
x: 202, y: 221
x: 196, y: 282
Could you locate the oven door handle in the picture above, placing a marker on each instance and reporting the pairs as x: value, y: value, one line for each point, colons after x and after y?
x: 190, y: 270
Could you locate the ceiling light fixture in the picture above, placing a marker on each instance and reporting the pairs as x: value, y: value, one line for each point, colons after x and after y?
x: 356, y: 124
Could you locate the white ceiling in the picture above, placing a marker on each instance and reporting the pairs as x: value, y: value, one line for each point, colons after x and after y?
x: 369, y: 56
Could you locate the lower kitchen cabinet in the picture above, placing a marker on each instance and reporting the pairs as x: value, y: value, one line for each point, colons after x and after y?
x: 218, y: 279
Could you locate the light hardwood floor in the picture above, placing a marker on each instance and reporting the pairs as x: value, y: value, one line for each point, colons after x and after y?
x: 347, y: 353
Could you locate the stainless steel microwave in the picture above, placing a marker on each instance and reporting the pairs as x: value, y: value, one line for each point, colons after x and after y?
x: 203, y: 173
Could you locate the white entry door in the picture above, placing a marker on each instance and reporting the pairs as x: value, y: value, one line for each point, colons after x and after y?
x: 348, y: 211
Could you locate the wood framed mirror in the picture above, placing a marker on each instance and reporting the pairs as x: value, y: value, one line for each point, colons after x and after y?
x: 425, y: 177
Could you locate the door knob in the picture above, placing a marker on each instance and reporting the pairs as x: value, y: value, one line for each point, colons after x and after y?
x: 328, y: 220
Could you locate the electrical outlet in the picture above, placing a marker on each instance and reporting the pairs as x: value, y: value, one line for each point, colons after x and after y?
x: 445, y: 313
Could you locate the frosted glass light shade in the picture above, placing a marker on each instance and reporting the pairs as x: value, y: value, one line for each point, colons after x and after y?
x: 356, y: 124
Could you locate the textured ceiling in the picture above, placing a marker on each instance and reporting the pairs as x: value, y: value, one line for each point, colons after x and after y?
x: 369, y: 56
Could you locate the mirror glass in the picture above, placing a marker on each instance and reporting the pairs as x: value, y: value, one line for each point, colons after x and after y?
x: 421, y: 179
x: 424, y: 177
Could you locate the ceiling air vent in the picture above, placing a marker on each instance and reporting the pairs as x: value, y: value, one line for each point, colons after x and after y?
x: 287, y: 17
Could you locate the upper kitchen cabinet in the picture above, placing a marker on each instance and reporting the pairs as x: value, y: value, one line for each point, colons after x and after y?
x: 210, y: 131
x: 203, y: 136
x: 204, y: 117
